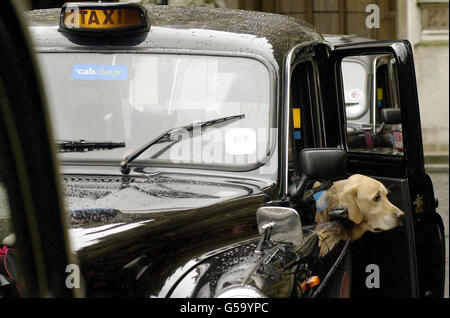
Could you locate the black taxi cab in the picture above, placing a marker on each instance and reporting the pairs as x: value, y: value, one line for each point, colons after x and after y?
x: 188, y: 139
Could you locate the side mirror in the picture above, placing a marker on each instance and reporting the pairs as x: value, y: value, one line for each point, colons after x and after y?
x: 284, y: 223
x: 323, y: 163
x: 391, y: 116
x: 316, y: 164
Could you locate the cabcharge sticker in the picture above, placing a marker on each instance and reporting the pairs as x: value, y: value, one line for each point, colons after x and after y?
x: 100, y: 72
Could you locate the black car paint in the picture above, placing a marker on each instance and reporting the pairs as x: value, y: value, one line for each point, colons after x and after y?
x: 164, y: 246
x: 174, y: 239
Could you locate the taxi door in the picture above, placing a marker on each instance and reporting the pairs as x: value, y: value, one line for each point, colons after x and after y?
x: 385, y: 142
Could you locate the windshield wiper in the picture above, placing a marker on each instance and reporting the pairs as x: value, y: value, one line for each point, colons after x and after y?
x: 167, y: 136
x: 86, y: 146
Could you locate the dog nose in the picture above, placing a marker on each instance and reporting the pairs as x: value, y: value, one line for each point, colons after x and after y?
x: 400, y: 217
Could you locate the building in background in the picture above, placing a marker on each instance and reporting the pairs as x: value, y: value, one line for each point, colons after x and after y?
x: 426, y: 24
x: 423, y: 22
x: 334, y: 16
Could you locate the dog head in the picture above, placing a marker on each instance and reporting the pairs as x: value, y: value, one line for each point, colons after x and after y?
x: 368, y: 204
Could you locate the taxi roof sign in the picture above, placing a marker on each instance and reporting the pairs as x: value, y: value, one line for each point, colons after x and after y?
x: 103, y: 18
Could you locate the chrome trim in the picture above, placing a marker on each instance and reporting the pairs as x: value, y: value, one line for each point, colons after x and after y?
x: 374, y: 96
x: 245, y: 292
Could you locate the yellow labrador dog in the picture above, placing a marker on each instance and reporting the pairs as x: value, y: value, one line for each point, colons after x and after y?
x: 367, y: 203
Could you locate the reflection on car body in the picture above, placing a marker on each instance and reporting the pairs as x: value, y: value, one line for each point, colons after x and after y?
x: 179, y: 218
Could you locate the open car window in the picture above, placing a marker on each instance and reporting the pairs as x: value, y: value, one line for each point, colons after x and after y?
x: 372, y: 109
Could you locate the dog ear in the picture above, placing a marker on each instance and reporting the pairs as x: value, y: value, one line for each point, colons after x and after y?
x: 347, y: 198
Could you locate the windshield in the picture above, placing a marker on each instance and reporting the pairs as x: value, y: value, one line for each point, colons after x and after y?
x: 134, y: 98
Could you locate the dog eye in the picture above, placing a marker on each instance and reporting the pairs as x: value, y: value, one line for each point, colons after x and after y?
x: 377, y: 198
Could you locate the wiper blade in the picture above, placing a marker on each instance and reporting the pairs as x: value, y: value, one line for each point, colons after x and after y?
x: 86, y: 146
x: 166, y: 137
